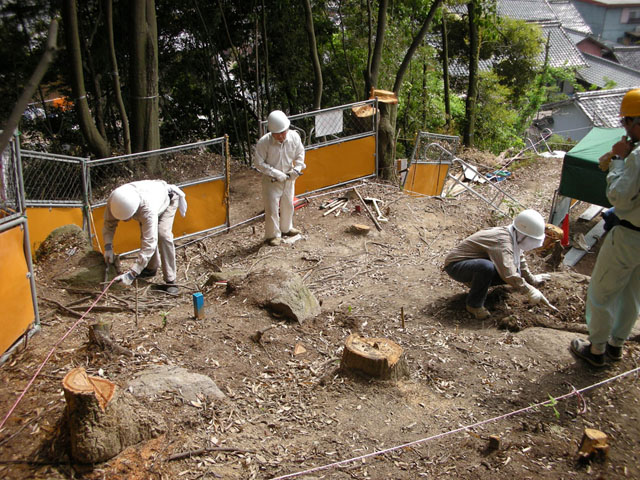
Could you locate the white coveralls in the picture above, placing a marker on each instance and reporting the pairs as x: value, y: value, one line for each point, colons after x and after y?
x: 272, y: 155
x: 158, y: 204
x: 613, y: 297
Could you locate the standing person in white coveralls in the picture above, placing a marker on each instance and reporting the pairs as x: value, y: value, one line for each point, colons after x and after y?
x: 153, y: 204
x: 280, y: 157
x: 613, y: 297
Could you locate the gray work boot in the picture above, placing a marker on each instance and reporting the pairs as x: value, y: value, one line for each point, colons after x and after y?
x: 274, y: 242
x: 480, y: 313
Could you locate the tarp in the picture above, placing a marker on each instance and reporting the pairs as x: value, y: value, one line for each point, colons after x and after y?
x: 581, y: 177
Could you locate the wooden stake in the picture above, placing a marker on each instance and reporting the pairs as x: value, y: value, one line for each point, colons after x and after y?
x: 402, y: 316
x: 136, y: 302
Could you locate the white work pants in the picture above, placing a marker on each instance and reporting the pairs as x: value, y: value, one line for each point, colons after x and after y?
x: 165, y: 253
x: 613, y: 297
x: 278, y: 206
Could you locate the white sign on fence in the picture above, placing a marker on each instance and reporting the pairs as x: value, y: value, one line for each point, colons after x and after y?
x: 328, y: 123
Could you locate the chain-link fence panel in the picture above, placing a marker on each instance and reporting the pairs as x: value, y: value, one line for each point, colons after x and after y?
x: 334, y: 125
x: 182, y: 165
x: 52, y: 180
x: 433, y: 147
x: 10, y: 195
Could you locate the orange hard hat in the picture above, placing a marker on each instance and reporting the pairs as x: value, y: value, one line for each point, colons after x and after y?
x: 630, y: 106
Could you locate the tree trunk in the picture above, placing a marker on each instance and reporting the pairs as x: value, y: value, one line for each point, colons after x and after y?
x: 445, y: 71
x: 374, y: 357
x: 313, y: 51
x: 373, y: 70
x: 265, y: 43
x: 96, y: 142
x: 389, y: 112
x: 102, y: 420
x: 344, y: 50
x: 386, y: 141
x: 126, y: 136
x: 145, y: 130
x: 245, y: 156
x: 16, y: 114
x: 417, y: 40
x: 474, y: 9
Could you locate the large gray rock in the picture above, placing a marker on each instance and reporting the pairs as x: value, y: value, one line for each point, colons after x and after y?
x: 62, y: 241
x: 160, y: 379
x: 89, y: 271
x: 282, y: 293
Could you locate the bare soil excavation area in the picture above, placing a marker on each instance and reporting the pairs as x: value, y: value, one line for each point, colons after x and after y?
x: 289, y: 409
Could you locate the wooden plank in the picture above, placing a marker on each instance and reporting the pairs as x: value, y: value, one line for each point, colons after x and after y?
x: 574, y: 255
x: 590, y: 213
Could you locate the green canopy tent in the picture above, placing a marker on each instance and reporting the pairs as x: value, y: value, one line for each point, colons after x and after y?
x: 581, y: 177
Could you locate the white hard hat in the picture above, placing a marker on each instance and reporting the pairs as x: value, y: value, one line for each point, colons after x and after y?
x: 124, y: 202
x: 277, y: 122
x: 530, y: 223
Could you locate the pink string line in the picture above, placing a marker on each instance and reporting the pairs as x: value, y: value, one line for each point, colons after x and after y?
x: 51, y: 353
x: 457, y: 430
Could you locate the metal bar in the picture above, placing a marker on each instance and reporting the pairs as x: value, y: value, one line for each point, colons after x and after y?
x: 227, y: 179
x: 160, y: 151
x: 376, y: 121
x: 477, y: 194
x: 53, y: 156
x: 316, y: 146
x: 53, y: 203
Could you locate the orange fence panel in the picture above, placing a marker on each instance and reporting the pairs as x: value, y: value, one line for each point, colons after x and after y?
x: 338, y: 163
x: 15, y: 288
x: 44, y: 220
x: 426, y: 178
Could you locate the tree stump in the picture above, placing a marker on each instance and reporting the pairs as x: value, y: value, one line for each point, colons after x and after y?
x: 374, y: 357
x: 100, y: 335
x: 594, y: 445
x: 102, y: 420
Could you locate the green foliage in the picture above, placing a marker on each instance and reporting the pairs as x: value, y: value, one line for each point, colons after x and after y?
x: 517, y: 48
x: 496, y: 120
x: 224, y: 65
x: 557, y: 142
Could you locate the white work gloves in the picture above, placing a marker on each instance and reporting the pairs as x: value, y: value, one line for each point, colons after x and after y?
x: 541, y: 278
x: 108, y: 253
x: 293, y: 174
x: 126, y: 278
x: 535, y: 295
x: 280, y: 176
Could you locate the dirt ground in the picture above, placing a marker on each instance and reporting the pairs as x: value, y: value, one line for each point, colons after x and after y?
x: 286, y: 413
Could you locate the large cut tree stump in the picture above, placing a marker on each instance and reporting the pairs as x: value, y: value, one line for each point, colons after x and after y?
x: 102, y: 419
x: 374, y: 357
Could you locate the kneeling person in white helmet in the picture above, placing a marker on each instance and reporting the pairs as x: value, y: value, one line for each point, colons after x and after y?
x: 495, y: 256
x: 153, y: 204
x: 280, y: 157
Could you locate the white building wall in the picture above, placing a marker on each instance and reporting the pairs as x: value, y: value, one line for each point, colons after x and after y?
x: 570, y: 122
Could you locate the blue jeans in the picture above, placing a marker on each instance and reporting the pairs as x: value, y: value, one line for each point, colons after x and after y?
x: 480, y: 273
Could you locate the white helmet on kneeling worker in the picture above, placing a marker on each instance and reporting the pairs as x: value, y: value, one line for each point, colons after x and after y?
x: 530, y: 224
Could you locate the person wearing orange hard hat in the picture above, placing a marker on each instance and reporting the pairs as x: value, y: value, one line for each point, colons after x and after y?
x: 613, y: 297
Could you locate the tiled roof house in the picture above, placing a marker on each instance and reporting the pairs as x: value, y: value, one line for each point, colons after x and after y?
x: 574, y: 118
x: 563, y: 52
